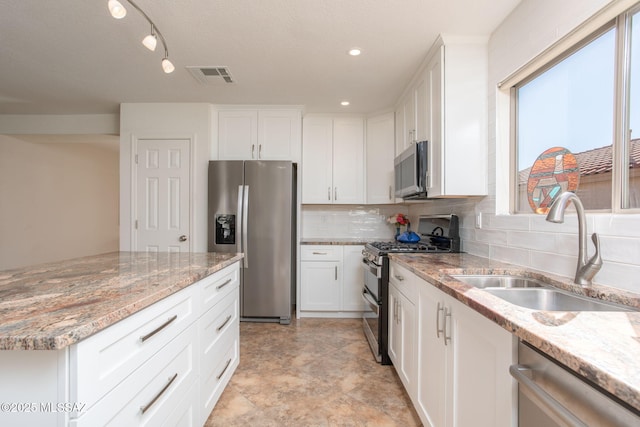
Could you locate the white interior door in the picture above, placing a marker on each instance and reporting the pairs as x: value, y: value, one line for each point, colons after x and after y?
x: 163, y: 195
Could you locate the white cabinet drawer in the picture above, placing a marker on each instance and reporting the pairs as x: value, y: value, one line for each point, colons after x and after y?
x: 152, y: 393
x: 404, y: 280
x: 216, y: 369
x: 215, y: 322
x: 103, y: 360
x: 320, y: 253
x: 218, y: 285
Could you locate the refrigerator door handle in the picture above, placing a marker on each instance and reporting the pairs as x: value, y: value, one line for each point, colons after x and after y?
x: 245, y: 225
x: 239, y: 242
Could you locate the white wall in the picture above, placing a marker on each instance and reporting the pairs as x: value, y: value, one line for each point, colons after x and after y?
x: 58, y: 199
x: 529, y: 240
x: 174, y: 121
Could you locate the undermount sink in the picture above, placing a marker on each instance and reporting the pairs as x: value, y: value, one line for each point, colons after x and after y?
x: 498, y: 281
x: 546, y: 299
x: 535, y: 294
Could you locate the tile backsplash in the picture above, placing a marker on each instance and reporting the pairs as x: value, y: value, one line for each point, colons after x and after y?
x: 348, y: 221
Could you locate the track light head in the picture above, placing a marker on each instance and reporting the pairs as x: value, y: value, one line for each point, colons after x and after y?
x: 116, y: 9
x: 167, y: 65
x: 151, y: 40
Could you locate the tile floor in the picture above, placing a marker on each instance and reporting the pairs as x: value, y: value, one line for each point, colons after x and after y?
x: 314, y: 372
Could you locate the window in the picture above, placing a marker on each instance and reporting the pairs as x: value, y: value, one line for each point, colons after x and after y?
x: 580, y: 102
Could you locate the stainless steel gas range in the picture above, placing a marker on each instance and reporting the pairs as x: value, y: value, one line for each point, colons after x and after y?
x: 438, y: 234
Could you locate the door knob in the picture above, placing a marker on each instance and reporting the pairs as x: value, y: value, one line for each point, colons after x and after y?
x: 182, y: 238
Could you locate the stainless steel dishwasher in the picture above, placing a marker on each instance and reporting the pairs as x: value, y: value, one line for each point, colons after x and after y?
x: 552, y: 395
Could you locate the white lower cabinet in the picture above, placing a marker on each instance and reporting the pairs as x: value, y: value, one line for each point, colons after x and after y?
x: 165, y: 365
x: 461, y: 375
x: 331, y: 279
x: 402, y: 326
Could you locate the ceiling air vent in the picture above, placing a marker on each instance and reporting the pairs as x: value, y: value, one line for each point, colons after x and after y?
x: 211, y: 75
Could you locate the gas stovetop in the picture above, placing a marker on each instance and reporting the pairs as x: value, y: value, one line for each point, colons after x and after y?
x: 387, y: 247
x: 438, y: 233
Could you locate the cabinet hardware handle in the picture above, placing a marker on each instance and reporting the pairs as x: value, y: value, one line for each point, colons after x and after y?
x: 159, y: 328
x: 336, y: 267
x: 399, y: 277
x: 438, y: 330
x: 389, y: 192
x: 395, y: 309
x: 335, y: 193
x: 447, y: 313
x: 224, y: 370
x: 523, y: 375
x: 146, y: 407
x: 259, y: 151
x: 328, y: 193
x: 219, y: 328
x: 319, y: 253
x: 226, y: 282
x: 399, y: 313
x: 253, y: 150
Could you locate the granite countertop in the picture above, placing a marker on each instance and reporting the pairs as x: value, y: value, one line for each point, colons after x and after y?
x: 51, y: 306
x: 603, y: 347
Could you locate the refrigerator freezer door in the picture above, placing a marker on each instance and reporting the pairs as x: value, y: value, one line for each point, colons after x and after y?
x: 270, y: 237
x: 225, y: 197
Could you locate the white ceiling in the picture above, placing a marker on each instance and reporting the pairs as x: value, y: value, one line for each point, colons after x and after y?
x: 72, y: 57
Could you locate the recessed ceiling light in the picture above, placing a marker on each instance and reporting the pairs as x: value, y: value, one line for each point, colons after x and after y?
x: 355, y: 51
x: 344, y: 103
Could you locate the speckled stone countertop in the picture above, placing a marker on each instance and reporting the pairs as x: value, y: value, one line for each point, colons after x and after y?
x: 601, y: 346
x: 340, y: 241
x: 51, y: 306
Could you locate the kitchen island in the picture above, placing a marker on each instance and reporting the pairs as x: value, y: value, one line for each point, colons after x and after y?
x: 603, y: 347
x: 107, y: 327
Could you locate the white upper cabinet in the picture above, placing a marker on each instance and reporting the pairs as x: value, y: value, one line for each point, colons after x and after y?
x: 448, y: 96
x: 279, y: 134
x: 380, y: 155
x: 237, y: 134
x: 333, y: 160
x: 458, y: 115
x: 259, y: 134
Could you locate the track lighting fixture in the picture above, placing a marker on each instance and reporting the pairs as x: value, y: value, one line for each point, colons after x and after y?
x: 151, y: 40
x: 118, y: 11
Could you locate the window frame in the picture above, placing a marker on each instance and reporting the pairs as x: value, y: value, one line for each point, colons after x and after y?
x: 566, y: 47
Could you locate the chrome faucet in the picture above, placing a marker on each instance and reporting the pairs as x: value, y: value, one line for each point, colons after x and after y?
x: 586, y: 268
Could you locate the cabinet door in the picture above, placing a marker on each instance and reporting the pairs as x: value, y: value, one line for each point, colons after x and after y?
x: 433, y: 363
x: 353, y: 279
x: 348, y: 161
x: 317, y: 160
x: 380, y: 155
x: 238, y: 135
x: 279, y: 135
x: 436, y: 150
x: 410, y: 119
x: 320, y: 285
x: 422, y: 108
x: 482, y: 392
x: 394, y: 343
x: 407, y: 328
x: 399, y: 132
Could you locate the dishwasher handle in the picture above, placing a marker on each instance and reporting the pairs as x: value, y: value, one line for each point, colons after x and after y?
x: 523, y: 375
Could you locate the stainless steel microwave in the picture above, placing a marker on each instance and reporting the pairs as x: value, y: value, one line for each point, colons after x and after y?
x: 411, y: 170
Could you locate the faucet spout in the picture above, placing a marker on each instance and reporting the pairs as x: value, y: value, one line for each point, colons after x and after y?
x: 587, y: 268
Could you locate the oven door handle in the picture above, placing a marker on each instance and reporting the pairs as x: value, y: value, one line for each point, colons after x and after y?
x: 366, y: 296
x: 372, y: 268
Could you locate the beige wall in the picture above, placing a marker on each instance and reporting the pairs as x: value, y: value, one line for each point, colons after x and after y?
x: 58, y: 199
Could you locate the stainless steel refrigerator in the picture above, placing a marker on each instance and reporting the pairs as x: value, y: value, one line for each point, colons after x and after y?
x: 252, y: 209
